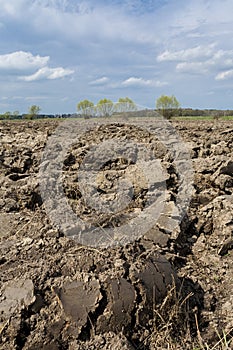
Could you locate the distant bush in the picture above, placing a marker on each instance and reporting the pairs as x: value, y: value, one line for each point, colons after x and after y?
x: 168, y: 106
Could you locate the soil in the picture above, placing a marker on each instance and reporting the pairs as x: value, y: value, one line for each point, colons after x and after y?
x: 170, y: 285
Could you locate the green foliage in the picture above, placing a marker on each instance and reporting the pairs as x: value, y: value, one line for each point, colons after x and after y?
x: 33, y: 111
x: 15, y: 113
x: 9, y: 115
x: 105, y: 107
x: 86, y: 108
x: 6, y: 115
x: 125, y: 104
x: 167, y: 105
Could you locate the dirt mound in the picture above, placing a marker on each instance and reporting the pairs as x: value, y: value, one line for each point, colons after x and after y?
x: 59, y: 294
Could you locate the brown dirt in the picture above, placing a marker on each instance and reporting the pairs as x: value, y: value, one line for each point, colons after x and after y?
x: 171, y: 286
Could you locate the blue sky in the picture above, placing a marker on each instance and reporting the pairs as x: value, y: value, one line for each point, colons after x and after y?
x: 54, y: 53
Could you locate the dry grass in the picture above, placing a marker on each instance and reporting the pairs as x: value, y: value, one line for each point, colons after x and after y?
x: 175, y: 327
x: 225, y: 342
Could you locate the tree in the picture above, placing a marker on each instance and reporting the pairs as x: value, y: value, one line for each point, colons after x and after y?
x: 15, y: 113
x: 215, y: 114
x: 125, y: 104
x: 7, y: 115
x: 105, y: 107
x: 167, y: 105
x: 33, y: 111
x: 86, y: 108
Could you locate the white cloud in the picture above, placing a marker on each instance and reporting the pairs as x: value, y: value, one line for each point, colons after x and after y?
x: 199, y: 59
x: 222, y: 58
x: 11, y: 8
x: 73, y: 20
x: 100, y: 81
x: 159, y: 83
x: 21, y: 60
x: 187, y: 54
x: 224, y: 75
x: 48, y: 73
x: 192, y: 67
x: 36, y: 98
x: 134, y: 81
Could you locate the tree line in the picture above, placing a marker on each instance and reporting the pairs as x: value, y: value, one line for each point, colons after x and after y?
x: 168, y: 106
x: 33, y: 111
x: 105, y: 107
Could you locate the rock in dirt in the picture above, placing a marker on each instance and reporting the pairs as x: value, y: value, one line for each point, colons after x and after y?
x: 15, y: 296
x: 78, y: 299
x: 111, y: 304
x: 227, y: 168
x: 121, y: 298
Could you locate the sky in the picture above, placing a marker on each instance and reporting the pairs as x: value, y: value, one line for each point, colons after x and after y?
x: 55, y: 53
